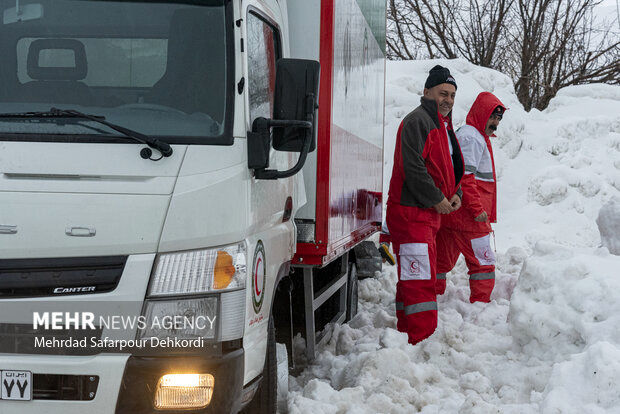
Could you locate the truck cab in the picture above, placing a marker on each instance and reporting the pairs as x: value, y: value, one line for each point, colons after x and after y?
x: 165, y: 159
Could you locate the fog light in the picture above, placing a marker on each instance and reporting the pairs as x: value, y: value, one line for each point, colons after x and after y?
x: 179, y: 391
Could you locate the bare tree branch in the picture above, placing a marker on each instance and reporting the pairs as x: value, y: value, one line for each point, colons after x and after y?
x: 544, y: 45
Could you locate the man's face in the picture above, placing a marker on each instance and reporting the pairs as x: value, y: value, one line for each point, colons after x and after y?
x: 492, y: 124
x: 444, y: 95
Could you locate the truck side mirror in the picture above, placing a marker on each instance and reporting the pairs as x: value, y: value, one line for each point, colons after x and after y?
x: 294, y: 123
x: 297, y: 84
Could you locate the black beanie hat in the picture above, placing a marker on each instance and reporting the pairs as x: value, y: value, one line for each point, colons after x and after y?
x: 439, y: 75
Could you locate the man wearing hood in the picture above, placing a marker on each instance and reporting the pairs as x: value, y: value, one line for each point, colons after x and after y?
x: 428, y: 167
x: 468, y: 230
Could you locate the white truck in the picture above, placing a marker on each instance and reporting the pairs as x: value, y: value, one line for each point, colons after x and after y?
x: 165, y: 163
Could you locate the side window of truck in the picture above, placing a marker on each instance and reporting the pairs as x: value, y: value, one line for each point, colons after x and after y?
x: 263, y: 51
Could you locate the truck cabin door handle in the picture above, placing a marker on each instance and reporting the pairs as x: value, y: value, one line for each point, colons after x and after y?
x: 81, y: 231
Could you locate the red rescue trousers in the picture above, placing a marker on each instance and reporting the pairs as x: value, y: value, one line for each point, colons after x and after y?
x: 479, y: 257
x: 413, y: 234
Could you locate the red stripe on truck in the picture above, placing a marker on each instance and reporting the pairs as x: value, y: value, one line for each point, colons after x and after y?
x: 326, y: 56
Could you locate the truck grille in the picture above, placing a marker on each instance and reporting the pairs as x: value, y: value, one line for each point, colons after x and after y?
x: 64, y: 387
x: 59, y: 276
x: 23, y: 339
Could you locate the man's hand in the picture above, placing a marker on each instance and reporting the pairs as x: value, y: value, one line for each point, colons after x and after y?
x: 443, y: 207
x: 482, y: 217
x: 455, y: 202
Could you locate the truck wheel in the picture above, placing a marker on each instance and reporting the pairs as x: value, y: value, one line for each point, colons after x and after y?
x: 266, y: 397
x: 352, y: 292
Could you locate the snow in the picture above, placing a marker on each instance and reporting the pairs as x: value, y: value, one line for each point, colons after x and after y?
x: 609, y: 225
x: 549, y: 340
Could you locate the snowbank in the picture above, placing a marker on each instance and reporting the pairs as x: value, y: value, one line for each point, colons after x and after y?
x: 549, y: 341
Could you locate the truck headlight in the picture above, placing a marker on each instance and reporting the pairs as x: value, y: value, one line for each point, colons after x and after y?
x: 217, y: 316
x: 200, y: 271
x: 181, y: 318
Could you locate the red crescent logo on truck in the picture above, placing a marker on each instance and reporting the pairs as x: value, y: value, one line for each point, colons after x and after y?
x: 258, y: 277
x: 256, y: 270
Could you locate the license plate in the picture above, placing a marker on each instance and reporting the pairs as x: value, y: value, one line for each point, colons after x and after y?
x: 16, y: 385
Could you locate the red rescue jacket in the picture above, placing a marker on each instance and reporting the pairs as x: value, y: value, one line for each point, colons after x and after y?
x: 424, y: 171
x: 479, y: 183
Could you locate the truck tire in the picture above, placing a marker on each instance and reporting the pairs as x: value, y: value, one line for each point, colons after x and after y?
x: 352, y: 296
x: 266, y: 398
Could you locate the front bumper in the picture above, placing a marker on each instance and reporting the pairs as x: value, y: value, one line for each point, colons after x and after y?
x: 108, y: 367
x: 126, y: 384
x: 142, y: 374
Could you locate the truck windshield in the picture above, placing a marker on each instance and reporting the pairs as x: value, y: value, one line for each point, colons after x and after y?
x: 160, y: 68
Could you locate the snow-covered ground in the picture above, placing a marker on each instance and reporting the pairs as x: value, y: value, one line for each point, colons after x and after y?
x: 549, y: 342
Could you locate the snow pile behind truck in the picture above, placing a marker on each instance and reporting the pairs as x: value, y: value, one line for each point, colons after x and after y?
x: 548, y: 342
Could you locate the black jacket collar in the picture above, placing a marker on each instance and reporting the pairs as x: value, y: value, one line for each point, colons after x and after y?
x: 430, y: 106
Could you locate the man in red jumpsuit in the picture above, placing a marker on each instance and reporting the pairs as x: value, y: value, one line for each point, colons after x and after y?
x: 468, y: 230
x: 428, y: 167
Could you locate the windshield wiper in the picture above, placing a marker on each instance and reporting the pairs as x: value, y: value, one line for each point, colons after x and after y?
x: 163, y: 147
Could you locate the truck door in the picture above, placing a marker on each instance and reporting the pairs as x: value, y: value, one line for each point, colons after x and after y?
x: 264, y: 48
x: 262, y: 44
